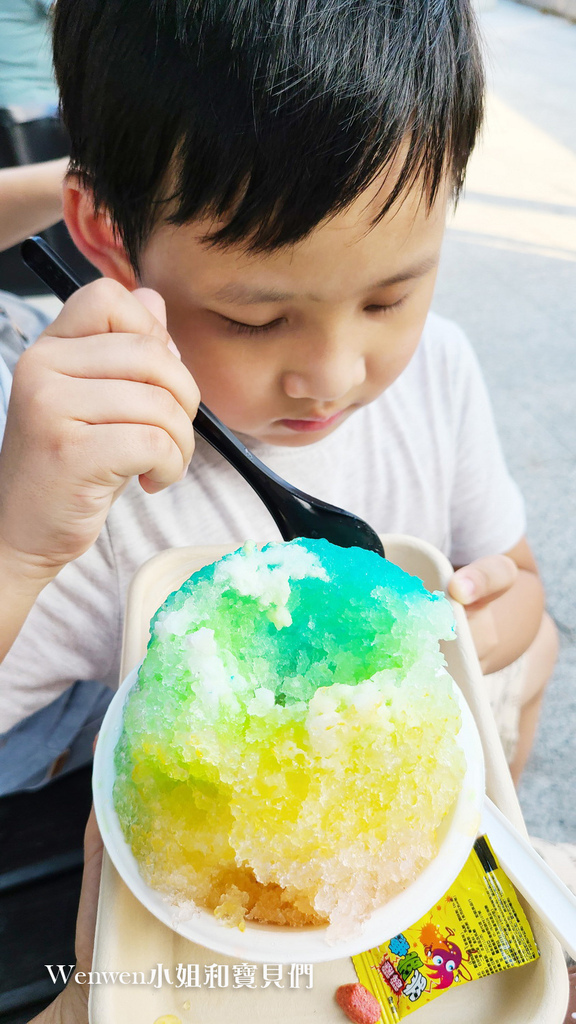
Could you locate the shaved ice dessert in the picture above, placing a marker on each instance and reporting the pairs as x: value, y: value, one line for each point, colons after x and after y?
x: 289, y: 750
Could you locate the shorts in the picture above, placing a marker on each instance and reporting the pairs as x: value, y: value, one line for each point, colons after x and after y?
x: 54, y: 740
x: 505, y: 689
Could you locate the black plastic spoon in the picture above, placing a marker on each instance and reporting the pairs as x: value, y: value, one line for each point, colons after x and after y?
x: 295, y: 513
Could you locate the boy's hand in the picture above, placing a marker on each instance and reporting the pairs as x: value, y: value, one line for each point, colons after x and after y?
x: 476, y: 586
x: 100, y: 397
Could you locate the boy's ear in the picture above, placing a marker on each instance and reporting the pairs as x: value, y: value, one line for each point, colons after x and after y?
x: 93, y: 234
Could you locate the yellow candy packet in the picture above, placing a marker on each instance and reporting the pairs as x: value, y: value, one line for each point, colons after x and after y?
x: 477, y: 928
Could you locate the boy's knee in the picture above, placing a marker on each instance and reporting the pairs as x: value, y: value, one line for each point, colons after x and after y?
x: 546, y: 642
x: 548, y: 621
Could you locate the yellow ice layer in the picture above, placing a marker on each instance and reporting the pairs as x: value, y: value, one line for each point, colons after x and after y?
x: 319, y: 812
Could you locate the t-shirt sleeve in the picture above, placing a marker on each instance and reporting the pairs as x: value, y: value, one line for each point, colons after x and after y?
x: 487, y: 513
x: 72, y: 632
x: 41, y: 7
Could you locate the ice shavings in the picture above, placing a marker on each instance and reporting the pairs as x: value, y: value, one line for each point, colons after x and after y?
x: 267, y: 576
x: 289, y: 750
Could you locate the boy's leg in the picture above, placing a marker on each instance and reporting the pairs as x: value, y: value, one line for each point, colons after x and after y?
x: 541, y: 658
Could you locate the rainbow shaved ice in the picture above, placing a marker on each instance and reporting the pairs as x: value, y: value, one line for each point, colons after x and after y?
x: 289, y: 750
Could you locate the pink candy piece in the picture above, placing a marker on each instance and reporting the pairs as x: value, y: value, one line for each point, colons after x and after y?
x: 358, y: 1003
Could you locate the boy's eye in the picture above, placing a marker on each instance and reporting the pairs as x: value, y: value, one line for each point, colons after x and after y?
x: 240, y: 328
x: 381, y: 308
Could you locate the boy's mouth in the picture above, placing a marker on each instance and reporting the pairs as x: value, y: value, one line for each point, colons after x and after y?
x: 312, y: 424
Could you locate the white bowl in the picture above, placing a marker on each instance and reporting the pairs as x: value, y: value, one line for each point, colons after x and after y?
x: 273, y: 943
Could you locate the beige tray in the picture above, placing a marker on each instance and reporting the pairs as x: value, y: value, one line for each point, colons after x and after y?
x: 129, y: 938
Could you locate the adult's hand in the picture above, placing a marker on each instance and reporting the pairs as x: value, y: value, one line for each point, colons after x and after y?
x: 71, y: 1005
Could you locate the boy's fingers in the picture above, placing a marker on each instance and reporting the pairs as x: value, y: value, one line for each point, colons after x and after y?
x: 146, y: 451
x: 127, y: 401
x: 104, y: 307
x: 484, y: 579
x: 155, y: 303
x: 125, y: 357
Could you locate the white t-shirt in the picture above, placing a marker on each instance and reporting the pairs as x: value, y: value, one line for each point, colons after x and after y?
x: 422, y: 459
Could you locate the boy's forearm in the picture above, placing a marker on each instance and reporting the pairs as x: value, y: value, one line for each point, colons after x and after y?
x: 516, y: 617
x: 30, y: 199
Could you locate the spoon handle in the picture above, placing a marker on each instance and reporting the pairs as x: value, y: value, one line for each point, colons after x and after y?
x: 540, y: 886
x: 295, y: 513
x: 48, y: 266
x: 46, y: 263
x: 290, y: 508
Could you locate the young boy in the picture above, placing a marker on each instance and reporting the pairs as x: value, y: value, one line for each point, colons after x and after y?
x: 264, y: 186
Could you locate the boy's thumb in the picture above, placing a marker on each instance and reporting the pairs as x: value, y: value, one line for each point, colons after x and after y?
x: 155, y: 303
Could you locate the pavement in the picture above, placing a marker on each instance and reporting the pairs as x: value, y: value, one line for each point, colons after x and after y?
x: 508, y: 276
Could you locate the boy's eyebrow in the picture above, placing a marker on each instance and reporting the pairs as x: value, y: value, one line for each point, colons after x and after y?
x: 235, y: 291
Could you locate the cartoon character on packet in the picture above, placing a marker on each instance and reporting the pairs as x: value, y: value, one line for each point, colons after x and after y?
x: 445, y: 958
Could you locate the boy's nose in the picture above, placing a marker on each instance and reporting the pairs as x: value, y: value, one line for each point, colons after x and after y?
x: 325, y: 380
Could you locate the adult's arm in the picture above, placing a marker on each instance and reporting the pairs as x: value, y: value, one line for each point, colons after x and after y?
x: 30, y: 199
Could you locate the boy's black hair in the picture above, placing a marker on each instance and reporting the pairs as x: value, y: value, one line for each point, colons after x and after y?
x: 267, y: 114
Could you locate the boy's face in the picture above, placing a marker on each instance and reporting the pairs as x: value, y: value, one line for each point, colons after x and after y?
x: 285, y: 346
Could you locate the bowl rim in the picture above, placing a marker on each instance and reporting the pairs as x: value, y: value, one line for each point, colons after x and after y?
x: 281, y: 944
